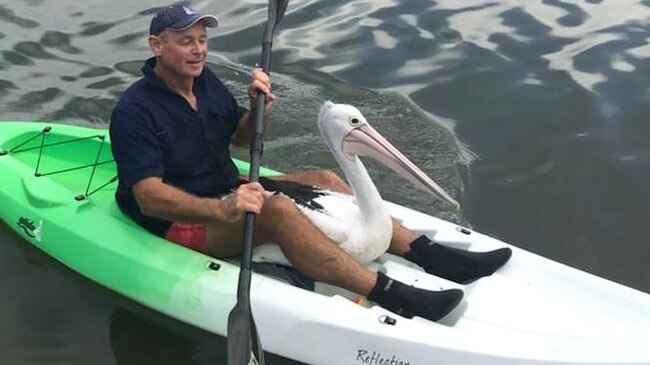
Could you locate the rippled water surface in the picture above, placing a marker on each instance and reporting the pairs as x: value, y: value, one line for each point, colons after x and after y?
x: 533, y: 114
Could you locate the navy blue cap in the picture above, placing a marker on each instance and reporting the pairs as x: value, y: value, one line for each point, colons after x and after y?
x: 179, y: 17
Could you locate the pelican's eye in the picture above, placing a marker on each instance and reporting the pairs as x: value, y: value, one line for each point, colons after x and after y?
x: 354, y: 121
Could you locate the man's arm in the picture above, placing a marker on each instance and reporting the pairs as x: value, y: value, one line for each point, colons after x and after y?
x: 160, y: 200
x: 245, y: 130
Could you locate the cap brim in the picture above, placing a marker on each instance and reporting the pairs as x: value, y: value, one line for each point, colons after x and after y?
x: 209, y: 21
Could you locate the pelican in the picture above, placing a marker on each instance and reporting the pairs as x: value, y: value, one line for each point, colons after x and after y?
x: 359, y: 223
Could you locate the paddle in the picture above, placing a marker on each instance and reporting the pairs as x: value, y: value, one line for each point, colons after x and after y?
x: 244, y: 346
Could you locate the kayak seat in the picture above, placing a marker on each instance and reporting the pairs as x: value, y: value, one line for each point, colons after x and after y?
x: 285, y: 273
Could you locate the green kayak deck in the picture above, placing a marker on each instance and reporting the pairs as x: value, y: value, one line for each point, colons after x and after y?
x: 58, y: 192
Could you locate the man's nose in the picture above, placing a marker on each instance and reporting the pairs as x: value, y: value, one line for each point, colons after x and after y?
x: 197, y: 47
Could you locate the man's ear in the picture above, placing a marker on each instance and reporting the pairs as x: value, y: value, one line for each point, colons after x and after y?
x: 155, y: 43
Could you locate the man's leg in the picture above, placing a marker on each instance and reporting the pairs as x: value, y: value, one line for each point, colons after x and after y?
x: 306, y: 247
x: 314, y: 254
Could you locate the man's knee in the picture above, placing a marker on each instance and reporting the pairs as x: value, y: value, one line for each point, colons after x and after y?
x: 330, y: 180
x: 278, y: 206
x: 278, y: 212
x: 329, y: 176
x: 327, y: 179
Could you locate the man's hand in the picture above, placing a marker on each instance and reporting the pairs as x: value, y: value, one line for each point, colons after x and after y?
x: 247, y: 198
x: 262, y: 82
x: 245, y: 131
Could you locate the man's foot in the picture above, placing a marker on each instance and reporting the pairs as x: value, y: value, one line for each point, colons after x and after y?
x: 455, y: 264
x: 409, y: 301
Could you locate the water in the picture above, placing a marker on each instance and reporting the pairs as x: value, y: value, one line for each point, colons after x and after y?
x: 533, y: 114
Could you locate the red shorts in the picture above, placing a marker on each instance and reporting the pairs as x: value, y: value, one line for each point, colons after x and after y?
x: 189, y: 235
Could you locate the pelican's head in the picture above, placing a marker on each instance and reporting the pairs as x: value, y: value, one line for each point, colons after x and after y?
x: 347, y: 132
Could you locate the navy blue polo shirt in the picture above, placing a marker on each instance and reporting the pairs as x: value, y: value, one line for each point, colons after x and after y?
x: 156, y: 133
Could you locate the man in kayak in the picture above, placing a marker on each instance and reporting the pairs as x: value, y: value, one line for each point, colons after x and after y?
x: 171, y: 132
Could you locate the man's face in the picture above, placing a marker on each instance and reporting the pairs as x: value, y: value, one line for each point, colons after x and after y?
x: 183, y: 53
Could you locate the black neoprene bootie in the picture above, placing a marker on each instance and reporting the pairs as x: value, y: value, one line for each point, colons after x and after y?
x: 409, y: 301
x: 454, y: 264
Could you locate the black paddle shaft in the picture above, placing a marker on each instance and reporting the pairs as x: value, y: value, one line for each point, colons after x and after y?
x: 256, y: 144
x: 244, y: 345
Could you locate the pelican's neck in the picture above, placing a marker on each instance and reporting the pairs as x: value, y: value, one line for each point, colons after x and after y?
x: 371, y: 206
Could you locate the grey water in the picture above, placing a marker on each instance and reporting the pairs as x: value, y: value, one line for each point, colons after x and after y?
x: 533, y: 114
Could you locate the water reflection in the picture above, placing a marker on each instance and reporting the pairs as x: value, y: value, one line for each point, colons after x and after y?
x: 48, y: 314
x: 59, y: 41
x: 135, y: 341
x: 9, y: 16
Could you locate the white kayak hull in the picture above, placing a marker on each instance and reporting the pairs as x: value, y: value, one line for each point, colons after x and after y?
x: 532, y: 311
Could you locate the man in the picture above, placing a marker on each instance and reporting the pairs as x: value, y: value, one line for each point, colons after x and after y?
x: 171, y: 132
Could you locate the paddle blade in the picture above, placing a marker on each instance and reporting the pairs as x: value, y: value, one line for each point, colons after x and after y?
x: 244, y: 347
x: 240, y: 334
x: 257, y: 354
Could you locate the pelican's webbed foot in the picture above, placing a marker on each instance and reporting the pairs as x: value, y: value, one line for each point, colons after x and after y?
x: 454, y: 264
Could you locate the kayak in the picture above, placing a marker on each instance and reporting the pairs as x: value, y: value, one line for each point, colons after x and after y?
x: 58, y: 192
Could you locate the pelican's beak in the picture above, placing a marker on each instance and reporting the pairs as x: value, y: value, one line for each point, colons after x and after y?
x: 366, y: 141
